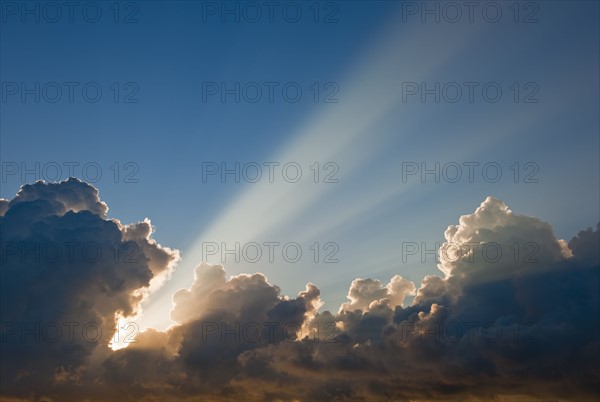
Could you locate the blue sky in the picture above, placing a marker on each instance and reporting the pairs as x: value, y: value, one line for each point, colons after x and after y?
x: 369, y: 53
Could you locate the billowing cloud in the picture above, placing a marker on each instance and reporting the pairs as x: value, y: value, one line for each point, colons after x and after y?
x: 514, y: 315
x: 365, y: 293
x: 67, y: 272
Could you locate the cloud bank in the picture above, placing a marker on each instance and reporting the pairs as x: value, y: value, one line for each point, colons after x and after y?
x: 514, y: 315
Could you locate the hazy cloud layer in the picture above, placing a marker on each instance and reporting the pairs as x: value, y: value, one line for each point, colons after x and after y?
x: 514, y: 315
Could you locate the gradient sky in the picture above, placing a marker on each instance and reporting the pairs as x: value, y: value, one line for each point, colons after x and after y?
x: 367, y: 50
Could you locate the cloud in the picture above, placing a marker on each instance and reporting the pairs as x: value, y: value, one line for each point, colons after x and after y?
x: 365, y: 293
x: 58, y: 198
x: 520, y: 326
x: 513, y: 316
x: 67, y: 272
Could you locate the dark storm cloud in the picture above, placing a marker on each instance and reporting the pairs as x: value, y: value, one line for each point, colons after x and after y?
x: 522, y: 326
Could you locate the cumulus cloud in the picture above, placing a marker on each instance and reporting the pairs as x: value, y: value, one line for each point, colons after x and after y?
x: 522, y: 324
x: 365, y: 293
x: 67, y: 271
x: 495, y: 239
x: 514, y: 315
x: 69, y: 195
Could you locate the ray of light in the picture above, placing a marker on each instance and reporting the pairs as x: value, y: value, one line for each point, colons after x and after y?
x: 336, y: 134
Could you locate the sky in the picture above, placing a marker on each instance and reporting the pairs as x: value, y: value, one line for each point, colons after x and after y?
x: 311, y: 142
